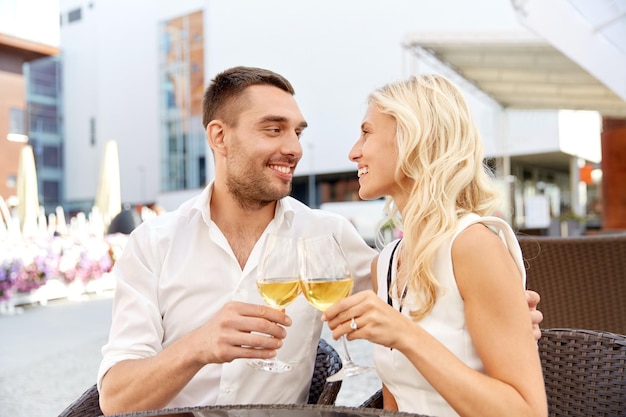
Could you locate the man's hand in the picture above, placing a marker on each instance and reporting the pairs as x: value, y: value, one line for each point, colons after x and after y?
x: 536, y: 317
x: 241, y: 330
x: 237, y: 330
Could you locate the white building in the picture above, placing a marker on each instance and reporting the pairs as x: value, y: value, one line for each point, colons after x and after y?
x: 133, y: 70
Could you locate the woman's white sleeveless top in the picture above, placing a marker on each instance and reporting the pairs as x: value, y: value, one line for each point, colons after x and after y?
x: 446, y: 322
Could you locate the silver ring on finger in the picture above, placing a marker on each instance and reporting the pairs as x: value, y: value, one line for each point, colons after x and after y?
x: 353, y: 324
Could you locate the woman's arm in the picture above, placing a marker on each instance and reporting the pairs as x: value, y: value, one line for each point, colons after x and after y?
x: 496, y: 312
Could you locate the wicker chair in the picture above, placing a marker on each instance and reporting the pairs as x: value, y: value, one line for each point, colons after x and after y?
x: 327, y: 362
x: 581, y: 280
x: 374, y: 401
x: 584, y: 372
x: 87, y: 405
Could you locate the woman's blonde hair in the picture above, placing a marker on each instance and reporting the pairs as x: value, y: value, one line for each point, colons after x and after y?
x: 441, y: 152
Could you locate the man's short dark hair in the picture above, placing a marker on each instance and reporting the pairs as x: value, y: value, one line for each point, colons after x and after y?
x: 221, y: 97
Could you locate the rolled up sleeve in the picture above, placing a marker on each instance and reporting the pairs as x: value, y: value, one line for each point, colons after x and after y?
x: 136, y: 331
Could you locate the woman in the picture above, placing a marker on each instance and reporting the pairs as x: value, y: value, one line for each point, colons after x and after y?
x: 450, y: 319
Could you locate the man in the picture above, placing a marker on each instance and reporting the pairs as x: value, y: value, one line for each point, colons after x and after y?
x: 186, y: 305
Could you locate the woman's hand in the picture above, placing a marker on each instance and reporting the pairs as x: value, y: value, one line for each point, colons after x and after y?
x: 375, y: 320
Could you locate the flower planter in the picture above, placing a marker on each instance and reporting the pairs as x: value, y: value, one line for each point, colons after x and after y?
x: 38, y: 271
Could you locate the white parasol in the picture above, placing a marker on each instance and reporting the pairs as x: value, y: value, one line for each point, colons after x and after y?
x: 27, y: 193
x: 108, y: 196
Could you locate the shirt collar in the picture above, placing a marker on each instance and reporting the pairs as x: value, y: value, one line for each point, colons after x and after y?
x: 284, y: 212
x: 201, y: 204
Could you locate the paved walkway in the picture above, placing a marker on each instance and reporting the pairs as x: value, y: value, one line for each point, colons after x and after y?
x: 50, y: 354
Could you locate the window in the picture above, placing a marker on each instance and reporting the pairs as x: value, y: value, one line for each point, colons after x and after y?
x: 11, y: 181
x: 74, y: 15
x: 184, y: 163
x: 16, y: 126
x: 43, y: 118
x: 51, y: 156
x: 51, y: 191
x: 16, y: 121
x: 43, y: 78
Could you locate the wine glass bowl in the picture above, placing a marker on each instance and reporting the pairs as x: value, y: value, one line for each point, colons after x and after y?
x: 279, y: 292
x: 322, y: 293
x: 325, y: 278
x: 278, y: 283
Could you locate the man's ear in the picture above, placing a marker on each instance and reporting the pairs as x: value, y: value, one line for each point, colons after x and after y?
x: 215, y: 133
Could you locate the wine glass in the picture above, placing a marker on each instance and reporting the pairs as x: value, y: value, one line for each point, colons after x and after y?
x: 325, y: 278
x: 278, y: 283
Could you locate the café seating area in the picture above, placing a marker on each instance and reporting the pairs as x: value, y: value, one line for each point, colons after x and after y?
x: 581, y: 280
x: 321, y: 392
x: 584, y: 373
x: 582, y: 283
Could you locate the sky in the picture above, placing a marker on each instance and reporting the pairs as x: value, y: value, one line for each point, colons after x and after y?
x: 35, y: 20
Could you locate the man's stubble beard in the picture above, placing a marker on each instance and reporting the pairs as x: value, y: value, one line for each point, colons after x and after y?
x: 251, y: 191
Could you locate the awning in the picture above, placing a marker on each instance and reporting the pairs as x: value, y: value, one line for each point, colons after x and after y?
x: 519, y: 70
x: 590, y: 33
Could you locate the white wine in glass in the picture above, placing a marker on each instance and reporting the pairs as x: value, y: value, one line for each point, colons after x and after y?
x: 278, y: 283
x: 326, y: 278
x: 322, y: 293
x: 279, y: 292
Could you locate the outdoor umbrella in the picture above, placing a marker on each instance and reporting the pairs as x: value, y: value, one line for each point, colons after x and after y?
x: 61, y: 223
x: 108, y: 196
x: 5, y: 218
x: 27, y: 192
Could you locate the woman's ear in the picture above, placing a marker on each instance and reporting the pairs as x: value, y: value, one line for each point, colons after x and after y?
x: 215, y: 133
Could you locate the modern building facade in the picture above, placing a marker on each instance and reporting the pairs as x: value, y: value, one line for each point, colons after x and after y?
x: 44, y: 97
x: 183, y: 164
x: 17, y: 117
x: 134, y: 72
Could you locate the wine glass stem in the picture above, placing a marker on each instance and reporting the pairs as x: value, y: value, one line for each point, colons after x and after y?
x: 346, y: 354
